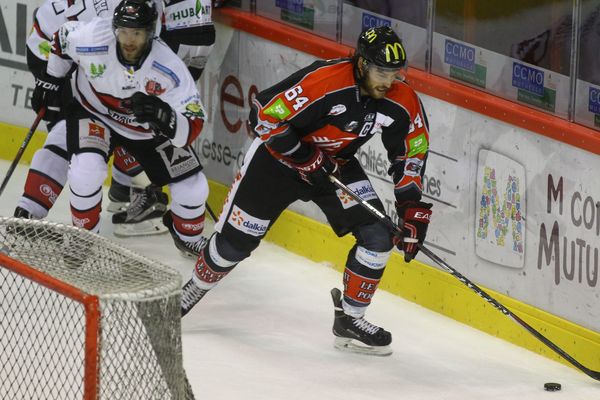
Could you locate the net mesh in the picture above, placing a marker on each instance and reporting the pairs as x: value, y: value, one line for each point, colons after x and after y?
x: 43, y: 336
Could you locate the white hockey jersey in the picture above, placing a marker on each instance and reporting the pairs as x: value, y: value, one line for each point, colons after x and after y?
x: 104, y: 86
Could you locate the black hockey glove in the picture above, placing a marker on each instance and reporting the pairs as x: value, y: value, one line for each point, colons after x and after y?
x: 317, y: 168
x: 413, y: 218
x: 155, y: 112
x: 47, y: 94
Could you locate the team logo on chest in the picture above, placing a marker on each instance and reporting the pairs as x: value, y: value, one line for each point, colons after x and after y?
x: 350, y: 126
x: 154, y: 88
x: 97, y: 70
x: 130, y: 82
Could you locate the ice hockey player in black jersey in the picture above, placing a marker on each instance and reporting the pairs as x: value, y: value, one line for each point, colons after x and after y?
x: 308, y: 127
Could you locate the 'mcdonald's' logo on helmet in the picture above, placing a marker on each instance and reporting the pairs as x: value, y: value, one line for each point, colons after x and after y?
x: 394, y: 52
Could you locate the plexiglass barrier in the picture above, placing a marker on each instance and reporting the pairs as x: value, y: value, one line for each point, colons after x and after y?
x: 539, y: 53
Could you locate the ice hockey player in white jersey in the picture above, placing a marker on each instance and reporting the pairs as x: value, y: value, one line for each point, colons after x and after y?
x: 190, y: 34
x: 130, y: 90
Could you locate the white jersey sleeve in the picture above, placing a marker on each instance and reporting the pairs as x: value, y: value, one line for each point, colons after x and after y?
x: 185, y: 100
x: 48, y: 18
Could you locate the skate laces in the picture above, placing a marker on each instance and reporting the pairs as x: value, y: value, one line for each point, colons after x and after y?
x: 197, y: 246
x: 138, y: 199
x: 192, y: 294
x: 365, y: 326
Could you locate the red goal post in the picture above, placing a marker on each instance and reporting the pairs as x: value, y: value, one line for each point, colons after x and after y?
x: 84, y: 318
x: 92, y: 317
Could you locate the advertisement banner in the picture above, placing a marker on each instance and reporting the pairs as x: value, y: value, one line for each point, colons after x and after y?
x: 502, y: 75
x: 16, y: 20
x: 414, y: 38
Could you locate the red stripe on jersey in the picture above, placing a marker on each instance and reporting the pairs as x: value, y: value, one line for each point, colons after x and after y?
x: 310, y: 89
x: 38, y: 30
x: 112, y: 103
x: 329, y: 138
x: 195, y: 128
x: 41, y: 189
x: 359, y: 288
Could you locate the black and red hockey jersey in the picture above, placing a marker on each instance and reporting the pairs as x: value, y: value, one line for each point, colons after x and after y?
x: 322, y: 105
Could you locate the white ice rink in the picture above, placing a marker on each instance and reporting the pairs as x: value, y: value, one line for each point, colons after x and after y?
x: 265, y: 333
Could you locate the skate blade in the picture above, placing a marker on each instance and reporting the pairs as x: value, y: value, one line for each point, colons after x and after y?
x: 117, y: 206
x: 354, y: 346
x: 144, y: 228
x: 188, y: 254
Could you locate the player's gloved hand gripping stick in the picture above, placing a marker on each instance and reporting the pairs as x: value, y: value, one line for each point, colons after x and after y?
x: 395, y: 229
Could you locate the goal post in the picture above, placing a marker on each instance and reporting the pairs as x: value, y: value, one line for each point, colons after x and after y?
x: 84, y: 318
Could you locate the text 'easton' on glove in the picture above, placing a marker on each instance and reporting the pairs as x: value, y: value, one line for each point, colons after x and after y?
x: 413, y: 218
x: 317, y: 168
x: 155, y: 112
x: 47, y: 93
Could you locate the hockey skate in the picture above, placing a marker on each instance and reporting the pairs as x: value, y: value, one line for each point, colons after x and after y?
x: 119, y: 197
x: 29, y: 232
x: 357, y: 335
x: 188, y: 249
x: 191, y: 294
x: 143, y: 216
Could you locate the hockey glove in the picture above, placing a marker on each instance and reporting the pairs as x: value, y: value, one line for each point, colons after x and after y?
x: 413, y: 218
x: 155, y: 112
x: 47, y: 94
x: 317, y: 168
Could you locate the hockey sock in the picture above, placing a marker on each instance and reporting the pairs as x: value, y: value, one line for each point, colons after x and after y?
x: 363, y: 272
x: 211, y: 267
x: 189, y: 229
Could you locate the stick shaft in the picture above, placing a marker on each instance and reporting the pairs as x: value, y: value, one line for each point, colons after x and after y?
x: 395, y: 229
x: 19, y: 154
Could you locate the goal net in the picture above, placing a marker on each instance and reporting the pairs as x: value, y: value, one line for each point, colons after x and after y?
x: 84, y: 318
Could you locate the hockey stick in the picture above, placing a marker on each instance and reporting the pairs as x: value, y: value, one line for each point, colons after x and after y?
x: 26, y: 141
x: 395, y: 229
x: 211, y: 213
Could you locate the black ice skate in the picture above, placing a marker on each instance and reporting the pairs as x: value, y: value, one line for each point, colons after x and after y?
x: 119, y: 197
x: 190, y: 296
x: 22, y: 229
x: 188, y: 249
x: 357, y: 335
x: 143, y: 216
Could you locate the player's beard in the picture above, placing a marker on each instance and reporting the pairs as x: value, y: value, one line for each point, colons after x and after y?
x: 376, y: 91
x: 132, y: 53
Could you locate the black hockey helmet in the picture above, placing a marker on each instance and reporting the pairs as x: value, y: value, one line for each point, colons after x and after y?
x: 136, y: 14
x: 381, y: 46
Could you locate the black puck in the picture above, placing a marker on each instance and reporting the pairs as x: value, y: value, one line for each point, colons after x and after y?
x: 552, y: 387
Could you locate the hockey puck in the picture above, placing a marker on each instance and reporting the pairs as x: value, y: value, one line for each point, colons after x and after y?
x: 552, y: 387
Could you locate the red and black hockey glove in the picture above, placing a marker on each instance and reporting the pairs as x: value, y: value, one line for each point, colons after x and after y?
x: 317, y: 168
x: 413, y: 218
x: 155, y: 112
x: 47, y: 93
